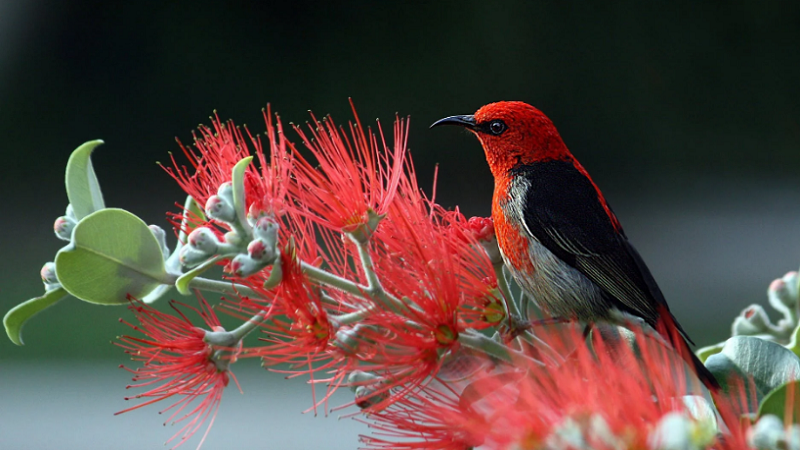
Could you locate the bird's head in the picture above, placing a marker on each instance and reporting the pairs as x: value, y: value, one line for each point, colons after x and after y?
x: 512, y: 134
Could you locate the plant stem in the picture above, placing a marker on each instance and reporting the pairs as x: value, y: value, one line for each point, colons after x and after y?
x: 359, y: 290
x: 490, y: 347
x: 222, y: 287
x: 502, y: 284
x: 353, y: 317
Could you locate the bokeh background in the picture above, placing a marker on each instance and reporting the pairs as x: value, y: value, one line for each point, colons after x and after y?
x: 686, y: 114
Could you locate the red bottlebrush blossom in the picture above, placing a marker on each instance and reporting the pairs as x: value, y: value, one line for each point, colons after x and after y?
x: 419, y: 261
x: 217, y: 150
x: 607, y: 397
x: 482, y: 228
x: 352, y: 177
x: 430, y: 418
x: 178, y: 364
x: 299, y: 330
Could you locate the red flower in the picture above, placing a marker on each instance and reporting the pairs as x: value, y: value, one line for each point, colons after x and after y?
x: 431, y: 418
x: 217, y: 150
x: 418, y: 260
x: 606, y: 397
x: 353, y: 177
x: 177, y: 362
x: 299, y: 330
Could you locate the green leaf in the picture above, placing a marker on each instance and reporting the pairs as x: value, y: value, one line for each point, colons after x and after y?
x: 768, y: 364
x: 237, y: 182
x: 156, y: 293
x: 189, y: 206
x: 83, y: 190
x: 113, y: 254
x: 794, y: 344
x: 182, y: 284
x: 15, y: 319
x: 777, y: 401
x: 705, y: 352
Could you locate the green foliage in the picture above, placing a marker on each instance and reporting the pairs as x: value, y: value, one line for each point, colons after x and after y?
x: 783, y: 402
x: 83, y: 190
x: 15, y: 319
x: 182, y: 283
x: 767, y: 364
x: 113, y: 254
x: 237, y: 181
x: 705, y: 352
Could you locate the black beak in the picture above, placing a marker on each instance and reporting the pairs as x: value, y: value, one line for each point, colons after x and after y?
x: 463, y: 121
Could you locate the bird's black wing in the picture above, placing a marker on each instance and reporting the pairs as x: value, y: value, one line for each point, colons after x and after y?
x: 563, y: 211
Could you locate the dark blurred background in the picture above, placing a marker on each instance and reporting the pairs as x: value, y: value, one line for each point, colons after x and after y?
x: 686, y: 114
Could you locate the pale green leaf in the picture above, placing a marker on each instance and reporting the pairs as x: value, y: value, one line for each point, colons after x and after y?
x: 237, y: 182
x: 113, y: 254
x: 766, y: 363
x: 783, y: 402
x: 15, y: 319
x: 705, y: 352
x: 83, y: 190
x: 182, y: 284
x: 189, y: 206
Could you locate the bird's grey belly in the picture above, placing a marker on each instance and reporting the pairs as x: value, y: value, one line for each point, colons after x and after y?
x: 558, y: 288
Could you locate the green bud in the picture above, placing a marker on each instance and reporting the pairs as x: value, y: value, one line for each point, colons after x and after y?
x: 203, y: 240
x: 63, y: 227
x: 49, y: 277
x: 753, y: 320
x: 220, y: 209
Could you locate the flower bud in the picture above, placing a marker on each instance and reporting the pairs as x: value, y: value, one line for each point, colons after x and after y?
x: 49, y: 277
x: 368, y: 396
x: 266, y: 228
x: 161, y: 237
x: 260, y: 251
x: 481, y: 228
x: 752, y: 320
x: 190, y: 256
x: 203, y: 240
x: 348, y: 340
x: 63, y: 227
x: 358, y: 378
x: 782, y: 293
x: 254, y: 214
x: 220, y: 209
x: 225, y: 191
x: 243, y: 266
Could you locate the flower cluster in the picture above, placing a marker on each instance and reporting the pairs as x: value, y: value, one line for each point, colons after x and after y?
x: 351, y: 276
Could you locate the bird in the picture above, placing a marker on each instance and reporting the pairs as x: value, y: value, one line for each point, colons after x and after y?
x: 558, y: 236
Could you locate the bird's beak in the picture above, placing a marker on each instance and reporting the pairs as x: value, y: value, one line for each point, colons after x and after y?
x: 463, y: 121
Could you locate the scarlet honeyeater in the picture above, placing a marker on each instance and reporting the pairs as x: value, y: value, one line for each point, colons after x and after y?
x: 558, y: 236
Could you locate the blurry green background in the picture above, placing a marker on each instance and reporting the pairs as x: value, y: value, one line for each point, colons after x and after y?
x: 687, y: 115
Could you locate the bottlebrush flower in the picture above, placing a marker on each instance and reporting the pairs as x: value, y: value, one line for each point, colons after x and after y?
x: 178, y: 364
x: 419, y: 261
x: 430, y: 418
x: 355, y: 177
x: 604, y: 398
x: 299, y: 331
x: 217, y: 150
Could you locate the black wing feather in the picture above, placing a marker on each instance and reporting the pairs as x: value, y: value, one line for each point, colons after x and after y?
x: 563, y: 211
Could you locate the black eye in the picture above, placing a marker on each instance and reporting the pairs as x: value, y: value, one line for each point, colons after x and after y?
x: 497, y: 127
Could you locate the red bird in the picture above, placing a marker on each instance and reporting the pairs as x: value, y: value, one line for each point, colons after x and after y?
x: 558, y: 236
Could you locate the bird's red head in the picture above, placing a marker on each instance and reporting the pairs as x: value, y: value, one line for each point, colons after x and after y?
x: 512, y: 133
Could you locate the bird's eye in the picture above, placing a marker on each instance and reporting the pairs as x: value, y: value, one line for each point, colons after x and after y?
x: 497, y: 127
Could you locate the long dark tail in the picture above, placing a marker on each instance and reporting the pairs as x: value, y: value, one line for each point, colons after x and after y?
x: 670, y: 329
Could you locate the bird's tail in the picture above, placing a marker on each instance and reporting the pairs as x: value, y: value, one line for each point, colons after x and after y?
x: 669, y: 329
